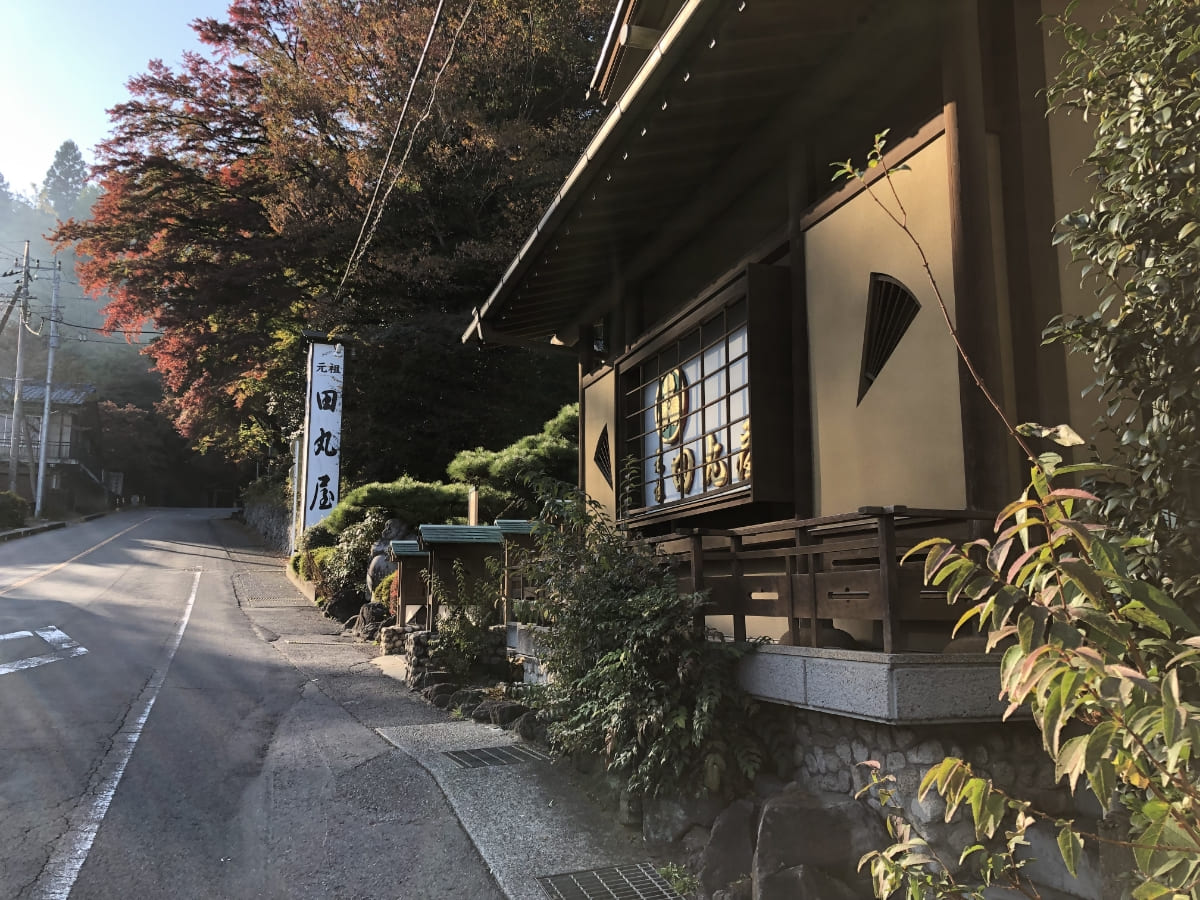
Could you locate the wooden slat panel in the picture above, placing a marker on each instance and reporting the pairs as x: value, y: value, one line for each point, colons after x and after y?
x: 725, y: 598
x: 929, y: 606
x: 856, y: 582
x: 849, y: 606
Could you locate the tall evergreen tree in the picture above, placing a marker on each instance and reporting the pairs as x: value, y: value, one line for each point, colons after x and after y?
x: 65, y: 180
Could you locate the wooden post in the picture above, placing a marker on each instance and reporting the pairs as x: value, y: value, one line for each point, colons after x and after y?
x: 800, y: 195
x: 889, y: 580
x: 735, y: 571
x: 985, y: 443
x: 803, y: 539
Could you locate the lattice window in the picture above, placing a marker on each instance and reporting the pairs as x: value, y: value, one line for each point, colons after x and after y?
x: 687, y: 410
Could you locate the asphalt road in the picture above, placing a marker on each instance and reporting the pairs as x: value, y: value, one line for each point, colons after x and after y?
x: 176, y: 722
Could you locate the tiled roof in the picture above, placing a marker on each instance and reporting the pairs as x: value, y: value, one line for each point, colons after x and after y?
x: 34, y: 391
x: 514, y: 526
x: 405, y: 548
x: 461, y: 534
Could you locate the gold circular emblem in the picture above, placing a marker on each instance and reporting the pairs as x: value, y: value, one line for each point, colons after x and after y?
x: 671, y: 406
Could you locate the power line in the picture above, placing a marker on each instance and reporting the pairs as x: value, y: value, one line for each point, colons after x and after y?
x: 101, y: 329
x: 412, y: 135
x: 412, y: 85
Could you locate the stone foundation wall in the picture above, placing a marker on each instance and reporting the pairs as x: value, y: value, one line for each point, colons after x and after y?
x: 803, y: 835
x: 830, y: 750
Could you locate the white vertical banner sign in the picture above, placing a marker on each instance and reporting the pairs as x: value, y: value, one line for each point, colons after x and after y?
x: 322, y: 431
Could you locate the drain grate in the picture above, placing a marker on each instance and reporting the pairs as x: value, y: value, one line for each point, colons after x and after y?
x: 495, y: 756
x: 634, y: 882
x: 275, y: 602
x: 265, y: 591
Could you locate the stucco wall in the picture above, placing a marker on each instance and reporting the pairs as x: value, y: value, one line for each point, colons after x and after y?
x: 903, y: 443
x: 599, y: 411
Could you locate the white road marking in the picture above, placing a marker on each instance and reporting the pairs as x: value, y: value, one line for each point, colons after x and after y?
x: 71, y: 850
x: 32, y: 662
x: 56, y: 638
x: 64, y: 646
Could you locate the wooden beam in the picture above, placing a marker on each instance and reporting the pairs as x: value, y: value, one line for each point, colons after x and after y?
x: 985, y: 442
x: 638, y: 37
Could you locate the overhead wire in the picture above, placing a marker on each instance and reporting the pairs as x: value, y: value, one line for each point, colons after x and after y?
x: 412, y: 135
x: 355, y: 255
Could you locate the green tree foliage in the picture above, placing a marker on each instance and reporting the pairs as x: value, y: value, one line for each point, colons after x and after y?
x: 1091, y: 596
x: 413, y: 502
x: 1108, y: 663
x: 633, y: 680
x: 553, y: 452
x: 1139, y: 240
x: 65, y: 181
x: 243, y: 202
x: 134, y: 441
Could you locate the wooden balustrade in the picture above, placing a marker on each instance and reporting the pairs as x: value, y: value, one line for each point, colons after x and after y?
x: 809, y: 573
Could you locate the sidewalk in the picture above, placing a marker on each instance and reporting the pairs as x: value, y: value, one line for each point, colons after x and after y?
x: 528, y: 815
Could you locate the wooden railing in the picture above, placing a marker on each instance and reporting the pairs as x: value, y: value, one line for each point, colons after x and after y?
x: 807, y: 573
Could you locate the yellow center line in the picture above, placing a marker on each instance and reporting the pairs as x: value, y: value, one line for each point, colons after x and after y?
x: 65, y: 563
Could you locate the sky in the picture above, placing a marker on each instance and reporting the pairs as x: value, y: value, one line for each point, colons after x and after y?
x: 63, y: 63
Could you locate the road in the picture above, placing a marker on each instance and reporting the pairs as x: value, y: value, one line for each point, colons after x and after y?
x: 176, y: 722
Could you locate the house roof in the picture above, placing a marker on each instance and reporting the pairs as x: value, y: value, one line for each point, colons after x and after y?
x: 405, y: 548
x: 515, y: 526
x: 460, y: 534
x: 34, y: 391
x: 625, y: 48
x: 720, y: 72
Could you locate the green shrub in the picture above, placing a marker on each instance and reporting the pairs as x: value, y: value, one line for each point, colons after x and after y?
x: 13, y: 510
x: 633, y: 679
x: 413, y: 502
x: 312, y: 563
x: 270, y: 490
x: 383, y: 592
x: 344, y: 573
x: 318, y: 535
x: 465, y: 613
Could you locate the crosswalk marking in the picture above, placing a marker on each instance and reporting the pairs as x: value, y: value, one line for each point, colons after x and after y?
x: 64, y: 648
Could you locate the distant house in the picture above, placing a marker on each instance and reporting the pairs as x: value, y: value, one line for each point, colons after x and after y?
x: 73, y: 477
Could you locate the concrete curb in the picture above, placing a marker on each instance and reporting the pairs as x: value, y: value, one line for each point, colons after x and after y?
x: 17, y: 533
x: 29, y: 531
x: 306, y: 588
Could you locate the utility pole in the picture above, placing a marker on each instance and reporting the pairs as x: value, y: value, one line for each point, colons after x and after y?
x: 18, y: 417
x: 45, y: 433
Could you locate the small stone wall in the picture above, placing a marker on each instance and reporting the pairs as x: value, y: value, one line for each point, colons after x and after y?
x: 420, y: 647
x: 273, y: 521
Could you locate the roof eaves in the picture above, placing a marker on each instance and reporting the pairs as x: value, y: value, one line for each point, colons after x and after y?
x: 693, y: 15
